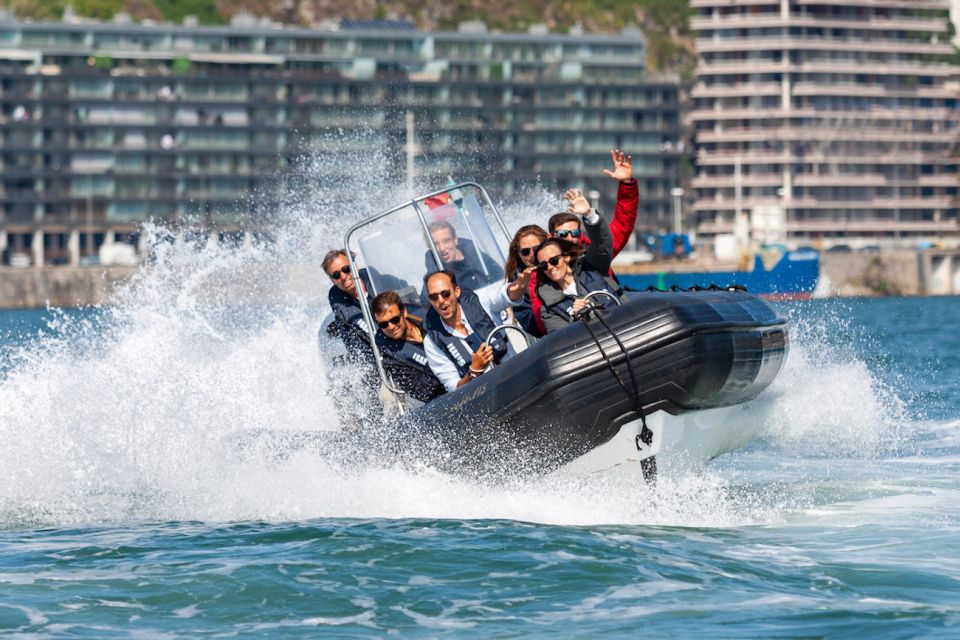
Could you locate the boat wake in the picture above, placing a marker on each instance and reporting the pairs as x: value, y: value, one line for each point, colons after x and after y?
x: 125, y: 413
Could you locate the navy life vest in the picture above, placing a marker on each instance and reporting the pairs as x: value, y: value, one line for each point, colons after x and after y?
x: 453, y: 346
x: 349, y: 324
x: 407, y: 364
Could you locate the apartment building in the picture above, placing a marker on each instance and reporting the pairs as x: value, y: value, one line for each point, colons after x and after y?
x: 105, y: 125
x: 840, y: 116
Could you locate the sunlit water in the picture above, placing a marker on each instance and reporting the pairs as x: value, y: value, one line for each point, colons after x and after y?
x: 124, y: 511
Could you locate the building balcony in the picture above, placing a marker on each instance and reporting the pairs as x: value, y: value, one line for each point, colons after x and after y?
x: 863, y: 179
x: 702, y: 23
x: 793, y: 204
x: 861, y: 226
x: 943, y: 180
x: 728, y: 159
x: 739, y: 68
x: 850, y: 180
x: 829, y: 132
x: 703, y: 90
x: 927, y: 5
x: 728, y: 181
x: 932, y: 114
x: 859, y: 90
x: 779, y: 43
x: 721, y: 4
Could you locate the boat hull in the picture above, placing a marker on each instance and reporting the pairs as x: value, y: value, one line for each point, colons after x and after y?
x: 574, y: 391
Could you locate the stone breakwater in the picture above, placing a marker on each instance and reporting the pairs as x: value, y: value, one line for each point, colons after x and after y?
x: 81, y: 286
x: 58, y: 286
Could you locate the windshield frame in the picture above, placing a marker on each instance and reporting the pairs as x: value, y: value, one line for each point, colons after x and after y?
x: 399, y: 394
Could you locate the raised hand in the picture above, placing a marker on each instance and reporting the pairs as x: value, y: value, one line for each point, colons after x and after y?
x: 577, y: 203
x: 622, y: 166
x: 518, y: 287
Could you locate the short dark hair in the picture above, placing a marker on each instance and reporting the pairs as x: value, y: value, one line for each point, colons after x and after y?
x: 442, y: 224
x: 330, y: 257
x: 558, y: 219
x: 446, y: 272
x: 383, y: 301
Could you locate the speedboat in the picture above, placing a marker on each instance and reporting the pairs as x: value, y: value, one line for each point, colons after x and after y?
x: 666, y: 380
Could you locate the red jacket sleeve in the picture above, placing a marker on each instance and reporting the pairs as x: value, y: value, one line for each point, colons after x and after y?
x: 535, y: 304
x: 625, y: 215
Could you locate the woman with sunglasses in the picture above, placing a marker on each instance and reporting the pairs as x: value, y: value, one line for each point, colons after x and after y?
x: 400, y: 340
x: 568, y: 271
x: 521, y: 258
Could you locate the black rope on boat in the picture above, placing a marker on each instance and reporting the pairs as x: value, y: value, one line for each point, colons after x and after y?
x: 648, y: 465
x: 646, y: 435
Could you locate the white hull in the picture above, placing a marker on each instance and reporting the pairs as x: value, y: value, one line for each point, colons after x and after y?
x: 681, y: 443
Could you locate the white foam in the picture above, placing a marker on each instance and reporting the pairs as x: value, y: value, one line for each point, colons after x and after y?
x: 827, y: 401
x: 125, y: 418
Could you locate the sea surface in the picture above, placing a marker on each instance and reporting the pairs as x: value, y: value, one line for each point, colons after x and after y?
x: 123, y: 512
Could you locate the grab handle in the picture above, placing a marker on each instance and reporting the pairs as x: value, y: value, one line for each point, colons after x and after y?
x: 601, y: 292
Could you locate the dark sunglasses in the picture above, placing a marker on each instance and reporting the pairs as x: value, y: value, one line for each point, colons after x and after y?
x: 552, y: 262
x: 446, y: 293
x: 383, y: 324
x: 336, y: 275
x: 563, y: 233
x: 527, y: 251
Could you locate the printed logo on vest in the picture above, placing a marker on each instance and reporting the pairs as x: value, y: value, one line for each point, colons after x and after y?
x: 419, y: 359
x: 456, y: 354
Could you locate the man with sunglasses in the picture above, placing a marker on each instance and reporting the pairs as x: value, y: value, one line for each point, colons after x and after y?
x: 460, y: 321
x: 566, y: 226
x: 344, y: 297
x: 400, y: 340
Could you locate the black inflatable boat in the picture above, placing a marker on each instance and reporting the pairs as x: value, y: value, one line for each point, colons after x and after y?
x: 572, y: 391
x: 601, y: 389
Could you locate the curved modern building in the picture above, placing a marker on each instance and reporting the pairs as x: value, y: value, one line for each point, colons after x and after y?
x: 839, y: 116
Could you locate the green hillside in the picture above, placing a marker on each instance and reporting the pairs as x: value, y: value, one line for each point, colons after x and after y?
x: 665, y: 22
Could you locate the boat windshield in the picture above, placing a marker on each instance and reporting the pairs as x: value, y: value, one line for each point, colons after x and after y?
x: 457, y: 227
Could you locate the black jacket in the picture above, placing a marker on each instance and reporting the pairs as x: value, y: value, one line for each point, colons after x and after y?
x: 591, y: 272
x: 470, y: 271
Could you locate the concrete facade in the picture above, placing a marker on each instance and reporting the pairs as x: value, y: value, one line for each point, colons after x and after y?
x: 843, y: 114
x: 105, y: 125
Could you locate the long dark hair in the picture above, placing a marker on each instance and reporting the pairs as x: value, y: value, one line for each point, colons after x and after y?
x: 513, y: 253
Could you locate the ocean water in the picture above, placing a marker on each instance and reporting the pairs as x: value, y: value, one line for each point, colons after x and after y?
x: 124, y: 510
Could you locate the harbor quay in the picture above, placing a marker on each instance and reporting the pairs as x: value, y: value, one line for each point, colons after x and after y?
x: 917, y: 272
